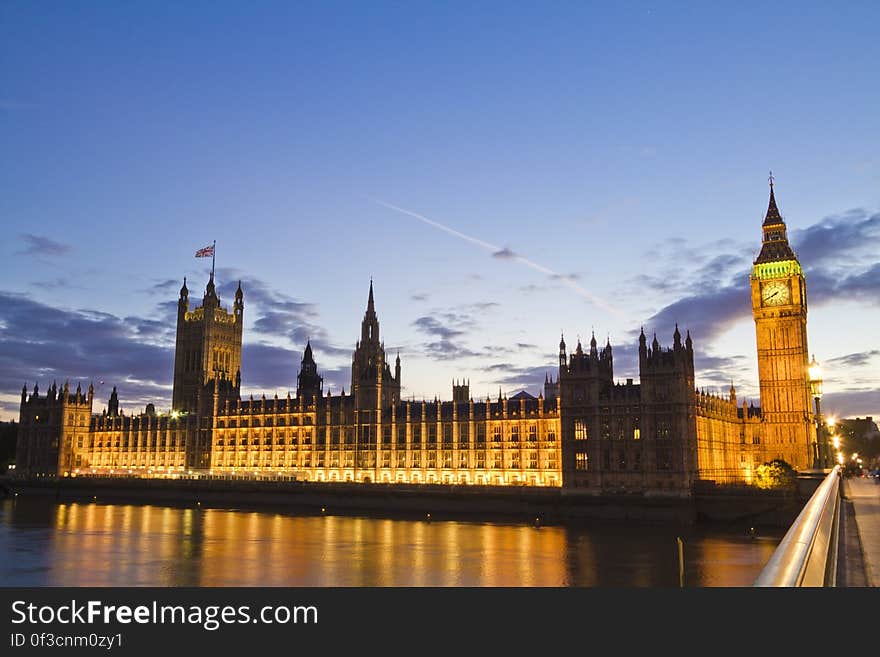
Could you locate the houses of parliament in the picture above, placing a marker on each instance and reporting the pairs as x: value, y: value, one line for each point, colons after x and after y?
x: 584, y: 431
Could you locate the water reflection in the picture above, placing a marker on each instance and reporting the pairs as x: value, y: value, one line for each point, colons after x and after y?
x: 93, y: 544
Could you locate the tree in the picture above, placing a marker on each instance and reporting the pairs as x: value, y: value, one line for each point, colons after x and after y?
x: 776, y: 475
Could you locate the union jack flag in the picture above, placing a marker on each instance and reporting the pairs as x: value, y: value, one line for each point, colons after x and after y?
x: 207, y: 252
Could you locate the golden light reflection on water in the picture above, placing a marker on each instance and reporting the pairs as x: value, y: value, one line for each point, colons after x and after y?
x: 92, y: 544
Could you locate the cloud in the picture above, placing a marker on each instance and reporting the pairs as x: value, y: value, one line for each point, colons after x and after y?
x: 38, y: 245
x: 418, y: 297
x: 479, y: 307
x: 278, y: 315
x: 434, y: 327
x: 446, y: 332
x: 56, y: 284
x: 165, y: 288
x: 862, y: 286
x: 504, y: 367
x: 267, y: 368
x: 505, y: 254
x: 856, y: 403
x: 706, y: 314
x: 448, y: 329
x: 836, y: 235
x: 855, y: 360
x: 41, y: 343
x: 837, y: 253
x: 529, y: 378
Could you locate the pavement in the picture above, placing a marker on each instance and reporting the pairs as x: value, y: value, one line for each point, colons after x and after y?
x: 864, y: 495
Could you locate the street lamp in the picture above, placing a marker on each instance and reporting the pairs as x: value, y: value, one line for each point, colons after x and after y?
x: 815, y: 373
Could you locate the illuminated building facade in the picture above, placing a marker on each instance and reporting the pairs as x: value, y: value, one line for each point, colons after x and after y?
x: 585, y: 431
x: 779, y: 305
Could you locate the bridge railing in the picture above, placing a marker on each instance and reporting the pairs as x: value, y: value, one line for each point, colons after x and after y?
x: 807, y: 554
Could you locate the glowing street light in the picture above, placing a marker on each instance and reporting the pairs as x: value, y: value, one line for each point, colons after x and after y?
x: 815, y: 373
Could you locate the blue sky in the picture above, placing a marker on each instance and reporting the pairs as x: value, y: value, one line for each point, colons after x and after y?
x: 595, y: 168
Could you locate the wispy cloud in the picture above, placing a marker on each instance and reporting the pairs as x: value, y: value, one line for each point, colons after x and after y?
x: 445, y: 332
x: 529, y: 378
x: 39, y: 245
x: 57, y: 284
x: 448, y: 330
x: 837, y: 253
x: 858, y: 359
x: 505, y: 253
x: 134, y: 352
x: 266, y: 367
x: 280, y: 316
x: 165, y: 288
x: 849, y: 233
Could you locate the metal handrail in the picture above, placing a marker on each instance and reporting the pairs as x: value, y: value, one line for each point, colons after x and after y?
x: 807, y: 554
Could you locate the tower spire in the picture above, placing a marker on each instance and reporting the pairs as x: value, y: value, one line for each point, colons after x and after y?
x: 772, y: 217
x: 370, y: 307
x: 775, y: 246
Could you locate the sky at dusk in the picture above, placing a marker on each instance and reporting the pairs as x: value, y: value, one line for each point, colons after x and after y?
x: 504, y: 172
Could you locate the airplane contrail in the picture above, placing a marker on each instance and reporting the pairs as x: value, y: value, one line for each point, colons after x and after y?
x: 492, y: 248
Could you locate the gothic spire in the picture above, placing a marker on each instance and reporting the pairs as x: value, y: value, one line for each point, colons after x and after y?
x: 775, y: 247
x: 210, y: 291
x: 772, y: 217
x: 370, y: 325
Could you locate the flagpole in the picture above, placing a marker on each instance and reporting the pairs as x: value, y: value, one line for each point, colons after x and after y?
x: 213, y: 251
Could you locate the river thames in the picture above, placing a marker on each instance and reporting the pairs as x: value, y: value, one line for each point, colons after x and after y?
x: 92, y: 544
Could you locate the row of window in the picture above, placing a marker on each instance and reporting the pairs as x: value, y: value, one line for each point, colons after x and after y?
x: 295, y: 420
x: 113, y: 460
x: 621, y: 462
x: 370, y: 460
x: 661, y: 431
x: 126, y: 443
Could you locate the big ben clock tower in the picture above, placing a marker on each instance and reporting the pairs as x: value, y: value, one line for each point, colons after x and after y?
x: 779, y: 305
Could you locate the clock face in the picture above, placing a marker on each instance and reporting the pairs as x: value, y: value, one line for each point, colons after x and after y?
x: 775, y: 293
